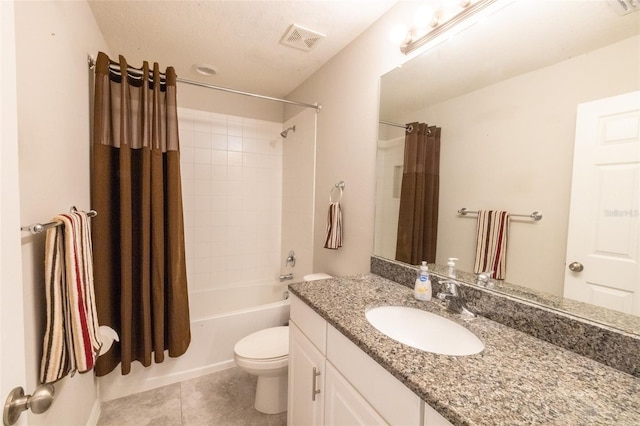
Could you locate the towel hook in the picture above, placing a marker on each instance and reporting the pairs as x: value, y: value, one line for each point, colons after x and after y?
x: 340, y: 186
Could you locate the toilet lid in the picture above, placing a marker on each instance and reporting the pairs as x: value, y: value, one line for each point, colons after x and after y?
x: 264, y: 344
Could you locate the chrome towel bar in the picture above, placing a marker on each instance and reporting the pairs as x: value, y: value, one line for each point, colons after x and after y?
x: 536, y: 215
x: 37, y: 228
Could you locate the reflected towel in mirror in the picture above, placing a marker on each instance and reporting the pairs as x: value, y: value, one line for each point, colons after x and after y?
x: 491, y: 244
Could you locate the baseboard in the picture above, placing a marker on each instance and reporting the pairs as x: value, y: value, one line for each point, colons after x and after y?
x: 116, y: 386
x: 94, y: 416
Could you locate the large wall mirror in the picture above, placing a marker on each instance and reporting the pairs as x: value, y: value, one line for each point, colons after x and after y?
x: 505, y: 93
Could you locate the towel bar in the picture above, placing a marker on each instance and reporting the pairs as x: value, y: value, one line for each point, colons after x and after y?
x: 536, y: 215
x: 37, y: 228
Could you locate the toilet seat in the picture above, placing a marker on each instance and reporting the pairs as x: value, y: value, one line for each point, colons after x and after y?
x: 270, y: 344
x: 262, y: 365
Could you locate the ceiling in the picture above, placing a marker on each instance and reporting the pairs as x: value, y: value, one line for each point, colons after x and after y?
x: 240, y: 39
x: 523, y: 36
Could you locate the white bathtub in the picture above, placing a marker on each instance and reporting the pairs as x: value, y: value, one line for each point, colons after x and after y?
x: 219, y: 318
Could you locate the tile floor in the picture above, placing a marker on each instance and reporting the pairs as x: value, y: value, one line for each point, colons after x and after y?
x: 221, y: 398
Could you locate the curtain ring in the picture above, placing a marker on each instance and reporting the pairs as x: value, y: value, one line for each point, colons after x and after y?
x: 340, y: 187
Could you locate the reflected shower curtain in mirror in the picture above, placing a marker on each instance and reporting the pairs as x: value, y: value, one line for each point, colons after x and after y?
x: 418, y: 217
x: 138, y: 235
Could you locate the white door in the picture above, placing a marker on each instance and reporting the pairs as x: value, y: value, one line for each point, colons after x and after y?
x: 602, y: 264
x: 343, y: 405
x: 306, y: 380
x: 12, y: 364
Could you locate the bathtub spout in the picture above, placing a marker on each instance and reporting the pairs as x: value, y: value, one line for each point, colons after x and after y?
x: 286, y: 277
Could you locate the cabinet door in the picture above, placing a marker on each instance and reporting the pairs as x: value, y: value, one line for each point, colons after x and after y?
x: 433, y: 418
x: 306, y: 378
x: 343, y: 405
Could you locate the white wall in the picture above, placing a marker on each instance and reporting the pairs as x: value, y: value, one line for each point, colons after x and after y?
x: 299, y: 150
x: 510, y: 146
x: 389, y: 162
x: 53, y: 40
x: 204, y: 99
x: 347, y: 89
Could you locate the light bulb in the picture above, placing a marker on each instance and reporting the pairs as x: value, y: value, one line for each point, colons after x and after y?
x: 399, y: 34
x: 424, y: 16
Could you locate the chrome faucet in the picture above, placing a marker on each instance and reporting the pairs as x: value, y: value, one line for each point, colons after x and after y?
x: 291, y: 259
x: 483, y: 279
x: 453, y: 293
x: 286, y: 277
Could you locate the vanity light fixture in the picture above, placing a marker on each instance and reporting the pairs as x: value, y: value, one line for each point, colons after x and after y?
x: 430, y: 23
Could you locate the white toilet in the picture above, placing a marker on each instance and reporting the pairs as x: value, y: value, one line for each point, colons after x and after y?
x: 265, y: 354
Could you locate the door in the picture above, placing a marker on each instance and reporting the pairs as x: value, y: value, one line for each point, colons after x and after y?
x: 603, y: 242
x: 344, y: 406
x: 12, y: 364
x: 306, y: 380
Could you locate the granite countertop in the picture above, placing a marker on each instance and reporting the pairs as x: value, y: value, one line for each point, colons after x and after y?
x: 516, y: 380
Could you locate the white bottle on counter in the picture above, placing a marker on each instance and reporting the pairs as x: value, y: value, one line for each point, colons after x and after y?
x: 451, y: 267
x: 422, y: 289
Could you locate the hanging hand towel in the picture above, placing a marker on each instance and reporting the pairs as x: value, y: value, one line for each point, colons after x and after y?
x: 491, y: 245
x: 71, y: 340
x: 334, y: 227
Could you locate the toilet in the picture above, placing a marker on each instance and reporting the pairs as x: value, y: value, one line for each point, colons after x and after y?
x: 265, y: 354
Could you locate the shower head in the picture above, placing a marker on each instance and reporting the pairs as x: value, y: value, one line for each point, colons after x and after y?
x: 285, y: 132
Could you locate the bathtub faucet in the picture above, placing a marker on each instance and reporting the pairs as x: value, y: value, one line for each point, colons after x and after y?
x: 286, y: 277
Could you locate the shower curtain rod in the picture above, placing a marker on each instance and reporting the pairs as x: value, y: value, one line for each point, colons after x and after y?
x: 92, y: 65
x: 408, y: 127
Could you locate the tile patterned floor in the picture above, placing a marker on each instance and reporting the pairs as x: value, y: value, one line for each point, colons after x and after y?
x: 222, y: 398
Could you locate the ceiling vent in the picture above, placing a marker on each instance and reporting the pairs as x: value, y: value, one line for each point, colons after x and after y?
x: 301, y: 38
x: 623, y: 7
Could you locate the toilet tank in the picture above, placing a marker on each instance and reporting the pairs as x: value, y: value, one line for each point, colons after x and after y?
x: 316, y: 276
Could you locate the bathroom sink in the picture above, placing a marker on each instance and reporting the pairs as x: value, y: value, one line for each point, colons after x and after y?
x: 424, y: 330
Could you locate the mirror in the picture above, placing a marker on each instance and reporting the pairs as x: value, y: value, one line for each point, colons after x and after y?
x: 505, y: 93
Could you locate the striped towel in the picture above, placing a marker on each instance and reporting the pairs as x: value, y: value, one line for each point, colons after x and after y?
x: 72, y: 339
x: 491, y: 246
x: 334, y: 227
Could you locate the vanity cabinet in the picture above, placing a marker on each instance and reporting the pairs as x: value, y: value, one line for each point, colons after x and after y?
x: 306, y: 378
x: 344, y: 405
x: 348, y: 385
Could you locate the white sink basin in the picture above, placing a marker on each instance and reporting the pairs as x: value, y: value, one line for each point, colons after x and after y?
x: 424, y: 330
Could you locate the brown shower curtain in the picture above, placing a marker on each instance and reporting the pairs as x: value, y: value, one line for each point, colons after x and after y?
x: 418, y: 217
x: 138, y: 235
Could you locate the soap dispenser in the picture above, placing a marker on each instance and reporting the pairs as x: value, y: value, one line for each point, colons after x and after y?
x: 422, y: 288
x: 451, y: 267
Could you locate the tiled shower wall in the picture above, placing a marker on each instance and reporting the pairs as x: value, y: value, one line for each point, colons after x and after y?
x: 232, y: 195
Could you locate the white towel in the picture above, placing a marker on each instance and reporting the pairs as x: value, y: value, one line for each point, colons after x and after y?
x: 72, y: 339
x: 334, y: 227
x: 491, y: 244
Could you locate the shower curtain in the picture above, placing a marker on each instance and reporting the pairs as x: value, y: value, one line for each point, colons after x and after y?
x: 138, y: 235
x: 418, y: 216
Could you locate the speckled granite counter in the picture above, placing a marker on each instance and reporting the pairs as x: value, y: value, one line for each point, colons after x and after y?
x: 516, y: 380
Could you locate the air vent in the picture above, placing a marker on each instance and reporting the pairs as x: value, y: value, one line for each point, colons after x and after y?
x: 301, y: 38
x: 623, y: 7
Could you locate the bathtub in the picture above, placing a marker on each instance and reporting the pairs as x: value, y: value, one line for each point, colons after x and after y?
x: 219, y: 318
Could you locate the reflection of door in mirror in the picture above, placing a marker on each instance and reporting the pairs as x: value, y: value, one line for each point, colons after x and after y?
x: 604, y: 228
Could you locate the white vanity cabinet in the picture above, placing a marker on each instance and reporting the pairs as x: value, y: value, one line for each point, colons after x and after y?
x: 351, y: 388
x: 306, y: 380
x: 344, y: 405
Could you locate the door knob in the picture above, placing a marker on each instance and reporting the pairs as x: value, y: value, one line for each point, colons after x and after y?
x: 576, y: 267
